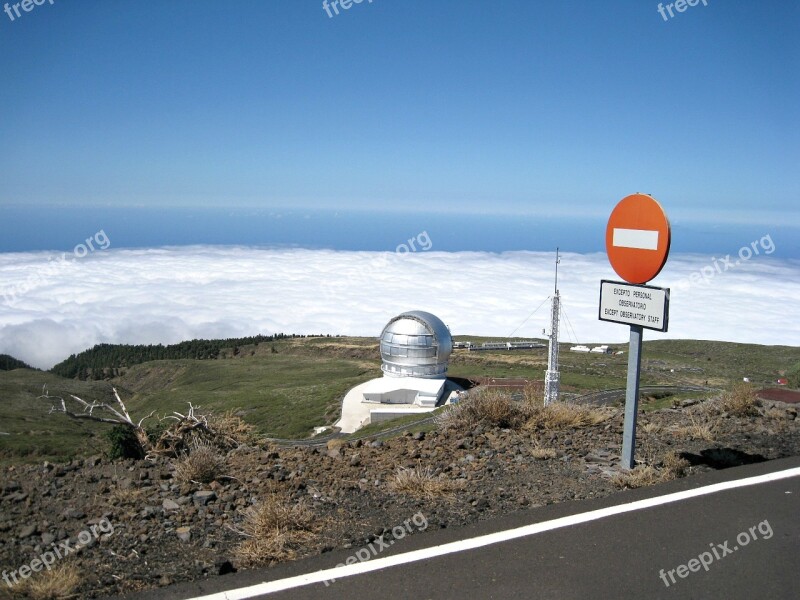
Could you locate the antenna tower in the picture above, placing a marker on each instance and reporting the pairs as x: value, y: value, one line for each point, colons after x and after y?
x: 551, y: 376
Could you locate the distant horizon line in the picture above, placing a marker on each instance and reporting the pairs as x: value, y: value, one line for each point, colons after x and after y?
x: 587, y: 213
x: 297, y: 246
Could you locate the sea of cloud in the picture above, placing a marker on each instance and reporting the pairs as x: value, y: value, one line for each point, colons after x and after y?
x: 51, y: 307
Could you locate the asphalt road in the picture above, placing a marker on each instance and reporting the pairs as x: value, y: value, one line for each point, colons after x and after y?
x: 616, y: 556
x: 611, y: 396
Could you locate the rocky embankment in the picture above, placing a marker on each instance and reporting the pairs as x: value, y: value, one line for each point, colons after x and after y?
x: 132, y: 525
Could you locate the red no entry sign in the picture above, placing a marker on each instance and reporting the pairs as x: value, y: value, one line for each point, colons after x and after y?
x: 637, y: 238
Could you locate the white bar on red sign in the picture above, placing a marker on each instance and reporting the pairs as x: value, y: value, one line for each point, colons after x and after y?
x: 641, y: 239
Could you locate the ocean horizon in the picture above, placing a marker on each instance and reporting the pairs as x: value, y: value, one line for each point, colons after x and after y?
x: 61, y: 228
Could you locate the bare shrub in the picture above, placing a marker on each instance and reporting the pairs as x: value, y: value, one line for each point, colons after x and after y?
x: 422, y: 483
x: 183, y: 432
x: 276, y: 530
x: 60, y: 581
x: 202, y: 463
x: 741, y: 401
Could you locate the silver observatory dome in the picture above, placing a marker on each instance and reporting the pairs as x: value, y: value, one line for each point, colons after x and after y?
x: 416, y: 344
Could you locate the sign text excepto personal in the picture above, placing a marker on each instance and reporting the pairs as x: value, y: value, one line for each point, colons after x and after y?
x: 631, y: 304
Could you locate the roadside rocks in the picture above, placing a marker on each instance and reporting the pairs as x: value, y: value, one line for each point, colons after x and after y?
x: 170, y: 505
x: 165, y: 531
x: 202, y: 498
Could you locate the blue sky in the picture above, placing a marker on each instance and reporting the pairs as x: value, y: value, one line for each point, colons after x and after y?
x: 253, y: 137
x: 519, y: 108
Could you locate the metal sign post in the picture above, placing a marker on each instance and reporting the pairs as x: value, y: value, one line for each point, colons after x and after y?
x: 632, y: 398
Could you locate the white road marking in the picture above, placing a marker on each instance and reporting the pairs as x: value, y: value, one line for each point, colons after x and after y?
x: 641, y: 239
x: 486, y: 540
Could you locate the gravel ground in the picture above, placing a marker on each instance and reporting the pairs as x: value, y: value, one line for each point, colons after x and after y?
x: 150, y: 529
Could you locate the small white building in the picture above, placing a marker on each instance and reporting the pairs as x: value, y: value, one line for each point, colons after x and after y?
x: 580, y: 349
x: 408, y: 390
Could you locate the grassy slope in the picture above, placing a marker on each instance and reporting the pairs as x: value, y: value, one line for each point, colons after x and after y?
x: 695, y: 362
x: 284, y: 395
x: 35, y: 433
x: 288, y: 392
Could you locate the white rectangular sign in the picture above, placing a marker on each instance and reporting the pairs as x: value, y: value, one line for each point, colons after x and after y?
x: 630, y: 304
x: 641, y: 239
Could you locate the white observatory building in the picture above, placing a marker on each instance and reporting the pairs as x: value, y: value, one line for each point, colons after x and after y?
x: 415, y: 347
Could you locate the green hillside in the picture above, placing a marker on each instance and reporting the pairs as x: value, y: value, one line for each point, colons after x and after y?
x: 283, y: 395
x: 26, y: 428
x: 287, y: 387
x: 107, y: 360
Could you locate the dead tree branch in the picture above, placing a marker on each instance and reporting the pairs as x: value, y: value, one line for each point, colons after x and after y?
x: 119, y: 416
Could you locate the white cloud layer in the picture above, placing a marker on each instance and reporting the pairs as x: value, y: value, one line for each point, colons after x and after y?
x: 50, y: 309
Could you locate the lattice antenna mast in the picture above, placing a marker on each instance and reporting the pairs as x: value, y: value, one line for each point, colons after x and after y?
x: 551, y: 377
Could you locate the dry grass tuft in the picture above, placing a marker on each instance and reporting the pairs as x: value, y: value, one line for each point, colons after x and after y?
x: 672, y: 467
x: 543, y: 453
x: 640, y: 476
x: 334, y: 447
x: 453, y: 416
x: 232, y: 427
x: 496, y: 408
x: 652, y: 428
x: 697, y: 430
x: 565, y: 415
x: 60, y: 581
x: 203, y: 463
x: 335, y: 444
x: 118, y: 496
x: 276, y: 530
x: 422, y: 483
x: 775, y: 413
x: 493, y: 407
x: 741, y: 401
x: 533, y: 394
